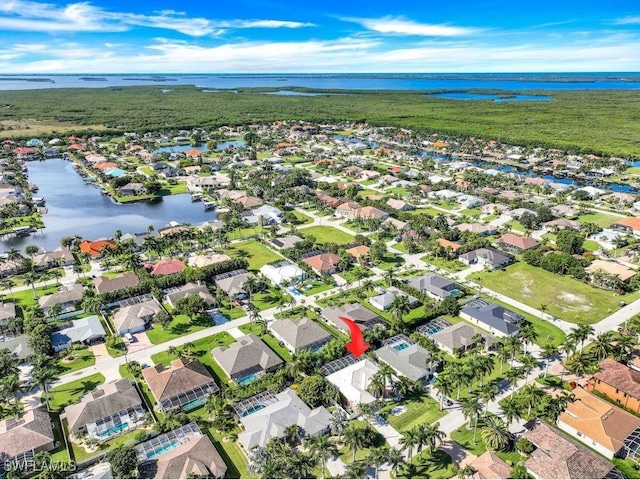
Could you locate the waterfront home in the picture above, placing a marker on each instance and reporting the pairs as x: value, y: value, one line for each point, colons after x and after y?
x: 246, y: 359
x: 273, y: 413
x: 185, y: 452
x: 296, y: 335
x: 353, y: 382
x: 283, y: 273
x: 489, y: 257
x: 288, y: 241
x: 514, y: 243
x: 203, y: 184
x: 66, y: 299
x: 9, y: 268
x: 167, y: 267
x: 232, y: 283
x: 175, y: 294
x: 248, y: 201
x: 7, y: 313
x: 132, y: 189
x: 362, y: 316
x: 323, y: 263
x: 87, y: 331
x: 200, y: 261
x: 186, y: 384
x: 18, y: 346
x: 384, y: 299
x: 435, y: 286
x: 135, y: 318
x: 597, y: 423
x: 267, y: 215
x: 496, y: 319
x: 105, y: 284
x: 61, y: 256
x: 457, y: 338
x: 555, y: 455
x: 95, y: 248
x: 109, y: 411
x: 23, y: 437
x: 618, y: 382
x: 407, y: 358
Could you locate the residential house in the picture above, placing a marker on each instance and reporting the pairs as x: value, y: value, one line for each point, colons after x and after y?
x: 303, y: 334
x: 372, y: 213
x: 249, y: 202
x: 232, y: 283
x: 135, y: 318
x: 596, y: 267
x: 557, y: 456
x: 516, y: 213
x: 167, y: 267
x: 323, y: 263
x: 106, y: 285
x: 264, y: 215
x: 66, y: 298
x: 246, y: 359
x: 353, y: 381
x: 87, y: 330
x: 399, y: 205
x: 200, y: 261
x: 329, y: 201
x: 185, y: 452
x: 363, y: 317
x: 393, y: 223
x: 283, y: 273
x: 448, y: 245
x: 132, y: 189
x: 348, y: 210
x: 407, y: 358
x: 384, y: 299
x: 435, y: 286
x: 490, y: 466
x: 629, y: 225
x: 484, y: 230
x: 18, y: 346
x: 470, y: 201
x: 564, y: 210
x: 459, y: 337
x: 190, y: 289
x: 61, y: 256
x: 7, y: 313
x: 278, y: 412
x: 360, y: 253
x: 597, y: 423
x: 288, y: 241
x: 109, y: 411
x: 23, y: 437
x: 561, y: 224
x: 95, y: 248
x: 516, y: 244
x: 496, y: 319
x: 185, y: 385
x: 618, y: 382
x: 9, y: 268
x: 489, y: 257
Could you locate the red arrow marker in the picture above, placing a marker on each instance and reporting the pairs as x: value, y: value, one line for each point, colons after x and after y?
x: 357, y: 345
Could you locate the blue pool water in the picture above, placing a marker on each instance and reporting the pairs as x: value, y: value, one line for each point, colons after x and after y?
x: 295, y: 291
x: 116, y: 172
x: 247, y: 379
x: 194, y: 404
x: 113, y: 430
x: 434, y: 329
x: 253, y: 409
x: 400, y: 346
x: 162, y: 450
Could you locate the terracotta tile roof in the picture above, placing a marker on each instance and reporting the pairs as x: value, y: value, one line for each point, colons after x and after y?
x: 622, y: 271
x: 168, y: 267
x: 522, y: 243
x: 631, y: 222
x: 598, y: 420
x: 444, y: 243
x: 325, y: 262
x: 95, y: 248
x: 359, y: 251
x: 490, y: 466
x: 619, y: 376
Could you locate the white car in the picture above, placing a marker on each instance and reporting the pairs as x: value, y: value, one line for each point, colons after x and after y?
x: 129, y: 338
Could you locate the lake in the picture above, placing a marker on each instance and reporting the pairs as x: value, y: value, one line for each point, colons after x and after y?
x: 76, y: 208
x: 203, y: 148
x: 489, y: 96
x: 391, y: 81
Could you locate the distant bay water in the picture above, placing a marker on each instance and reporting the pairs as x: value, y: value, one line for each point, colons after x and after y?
x: 413, y: 81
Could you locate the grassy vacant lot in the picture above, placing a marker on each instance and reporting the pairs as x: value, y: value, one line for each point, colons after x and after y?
x: 35, y: 128
x: 420, y: 409
x: 600, y: 219
x: 256, y: 253
x: 69, y: 393
x: 565, y: 297
x: 202, y: 351
x: 179, y: 326
x: 328, y: 235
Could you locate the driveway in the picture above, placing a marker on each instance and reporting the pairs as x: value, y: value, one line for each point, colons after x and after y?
x: 100, y: 352
x: 142, y: 342
x: 459, y: 455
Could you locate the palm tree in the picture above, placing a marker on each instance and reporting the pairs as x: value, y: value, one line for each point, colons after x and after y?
x: 444, y: 387
x: 31, y: 278
x: 513, y: 375
x: 529, y: 362
x: 580, y: 363
x: 601, y: 346
x: 408, y: 440
x: 580, y: 334
x: 503, y: 354
x: 339, y: 422
x: 514, y: 347
x: 495, y: 434
x: 44, y: 372
x: 488, y: 392
x: 355, y: 470
x: 530, y: 395
x: 510, y: 409
x: 390, y: 276
x: 549, y: 351
x: 471, y: 409
x: 457, y: 374
x: 322, y: 448
x: 543, y: 309
x: 483, y: 365
x: 527, y: 334
x: 377, y: 456
x: 395, y: 459
x: 250, y: 285
x: 10, y: 386
x: 430, y: 435
x: 355, y: 438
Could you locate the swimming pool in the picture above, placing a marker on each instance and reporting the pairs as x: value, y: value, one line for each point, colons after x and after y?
x: 246, y: 379
x: 253, y: 409
x: 160, y: 451
x: 194, y: 404
x: 400, y: 346
x: 295, y: 291
x: 115, y: 172
x: 114, y: 430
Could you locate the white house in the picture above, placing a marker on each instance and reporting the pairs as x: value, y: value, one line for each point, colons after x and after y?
x: 283, y: 273
x: 353, y: 381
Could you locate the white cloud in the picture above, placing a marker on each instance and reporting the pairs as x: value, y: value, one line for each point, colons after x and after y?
x: 400, y: 26
x: 632, y: 20
x: 27, y: 15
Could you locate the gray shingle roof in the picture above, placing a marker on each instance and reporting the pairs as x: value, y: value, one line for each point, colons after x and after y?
x: 133, y: 316
x: 410, y: 362
x: 364, y: 317
x: 300, y: 333
x: 458, y: 336
x: 7, y: 312
x: 191, y: 289
x: 247, y: 353
x: 489, y: 254
x: 435, y: 284
x: 18, y: 346
x: 496, y: 317
x: 233, y: 285
x: 104, y: 284
x: 70, y: 294
x: 31, y: 431
x: 82, y: 330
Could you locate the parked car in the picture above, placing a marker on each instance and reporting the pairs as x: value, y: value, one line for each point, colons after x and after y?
x: 129, y: 338
x: 247, y: 307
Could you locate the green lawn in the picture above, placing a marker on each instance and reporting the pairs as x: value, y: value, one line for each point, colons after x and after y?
x: 60, y: 397
x: 256, y: 253
x: 302, y: 218
x: 420, y: 409
x: 565, y: 297
x: 179, y: 326
x: 600, y: 219
x: 426, y: 211
x: 591, y: 245
x: 346, y: 454
x: 429, y: 465
x: 317, y: 287
x: 328, y: 235
x: 448, y: 265
x: 25, y: 299
x: 464, y: 437
x: 365, y: 193
x: 84, y: 358
x: 202, y: 351
x: 270, y: 340
x: 390, y: 261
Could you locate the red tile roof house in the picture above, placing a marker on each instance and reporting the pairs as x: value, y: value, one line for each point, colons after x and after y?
x: 514, y: 243
x: 167, y: 267
x: 95, y: 248
x: 629, y: 225
x: 324, y: 263
x: 348, y: 210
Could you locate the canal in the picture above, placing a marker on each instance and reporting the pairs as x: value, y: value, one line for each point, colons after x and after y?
x: 76, y: 208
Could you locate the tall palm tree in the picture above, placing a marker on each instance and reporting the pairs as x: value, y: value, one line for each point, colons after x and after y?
x: 513, y: 375
x: 44, y: 372
x: 409, y: 440
x: 488, y: 392
x: 321, y: 449
x: 444, y: 387
x: 430, y: 435
x: 377, y: 456
x: 527, y: 334
x: 355, y: 470
x: 503, y: 354
x: 510, y: 409
x: 399, y: 307
x: 339, y: 422
x: 549, y: 351
x: 514, y: 347
x: 602, y: 346
x: 355, y: 438
x: 581, y: 333
x: 530, y: 395
x: 483, y: 365
x: 250, y: 285
x: 471, y: 409
x: 458, y: 375
x: 495, y: 434
x: 581, y: 363
x: 31, y: 278
x: 529, y: 362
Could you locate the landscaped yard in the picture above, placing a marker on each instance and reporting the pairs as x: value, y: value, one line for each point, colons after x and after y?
x: 565, y: 297
x: 60, y: 397
x: 464, y: 437
x: 256, y: 253
x: 600, y: 219
x: 346, y: 453
x: 448, y: 265
x: 179, y: 326
x: 420, y: 409
x: 327, y: 235
x: 270, y: 340
x: 302, y: 219
x: 83, y: 358
x: 429, y: 465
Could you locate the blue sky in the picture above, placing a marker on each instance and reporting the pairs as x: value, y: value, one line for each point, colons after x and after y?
x: 285, y: 36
